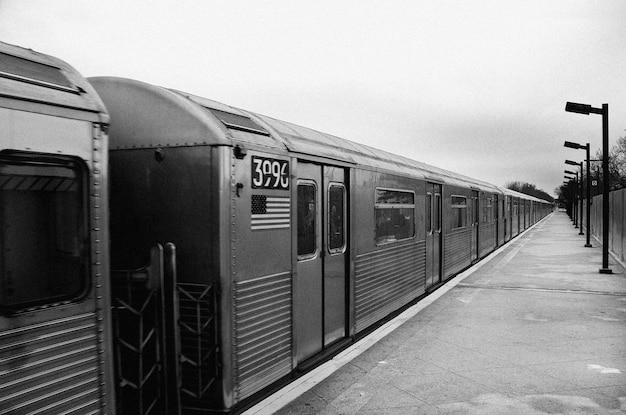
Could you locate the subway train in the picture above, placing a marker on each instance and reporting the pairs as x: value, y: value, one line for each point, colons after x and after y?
x: 166, y: 253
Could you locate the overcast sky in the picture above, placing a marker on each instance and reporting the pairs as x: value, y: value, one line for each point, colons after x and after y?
x: 477, y: 87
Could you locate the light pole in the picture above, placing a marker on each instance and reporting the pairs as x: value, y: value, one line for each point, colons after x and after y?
x: 575, y: 203
x: 604, y: 111
x: 579, y: 191
x: 588, y: 198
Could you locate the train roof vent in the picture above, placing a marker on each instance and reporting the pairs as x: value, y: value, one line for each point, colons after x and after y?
x: 238, y: 122
x: 34, y: 72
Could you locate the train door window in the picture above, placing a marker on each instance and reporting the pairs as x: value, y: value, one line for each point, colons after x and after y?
x: 437, y: 213
x: 44, y: 243
x: 307, y: 218
x: 336, y: 218
x: 429, y: 213
x: 487, y: 210
x: 395, y: 215
x: 459, y: 211
x: 476, y: 216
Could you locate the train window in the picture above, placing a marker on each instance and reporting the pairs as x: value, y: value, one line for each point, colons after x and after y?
x: 34, y: 72
x: 476, y: 216
x: 429, y: 213
x: 487, y: 210
x: 44, y: 240
x: 336, y: 218
x: 238, y: 122
x: 437, y: 213
x: 395, y: 215
x: 307, y: 220
x: 459, y: 211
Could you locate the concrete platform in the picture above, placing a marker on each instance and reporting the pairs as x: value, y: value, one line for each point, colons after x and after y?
x: 533, y: 329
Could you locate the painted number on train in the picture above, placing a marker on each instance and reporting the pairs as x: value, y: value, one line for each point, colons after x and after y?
x: 270, y: 173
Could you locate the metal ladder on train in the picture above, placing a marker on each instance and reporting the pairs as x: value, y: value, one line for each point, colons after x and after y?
x: 165, y: 338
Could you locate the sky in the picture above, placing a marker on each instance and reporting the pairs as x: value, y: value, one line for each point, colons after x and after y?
x: 477, y: 87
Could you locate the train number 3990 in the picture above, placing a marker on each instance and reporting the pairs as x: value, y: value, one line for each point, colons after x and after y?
x: 268, y: 173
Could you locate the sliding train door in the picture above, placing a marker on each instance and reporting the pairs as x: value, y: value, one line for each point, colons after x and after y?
x: 433, y: 234
x: 320, y: 294
x: 475, y: 218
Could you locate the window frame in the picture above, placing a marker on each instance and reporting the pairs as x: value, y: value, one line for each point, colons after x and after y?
x: 463, y: 211
x: 82, y: 233
x: 389, y: 206
x: 342, y: 248
x: 314, y: 253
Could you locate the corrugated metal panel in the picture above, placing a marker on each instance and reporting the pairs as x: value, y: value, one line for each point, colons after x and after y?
x: 263, y: 325
x: 457, y: 251
x: 487, y: 236
x: 388, y: 279
x: 51, y: 367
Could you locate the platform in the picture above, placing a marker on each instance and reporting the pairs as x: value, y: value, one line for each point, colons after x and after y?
x: 532, y: 329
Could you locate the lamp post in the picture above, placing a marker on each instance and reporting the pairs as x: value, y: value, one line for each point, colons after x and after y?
x: 575, y: 202
x: 604, y: 111
x: 588, y: 198
x: 579, y: 189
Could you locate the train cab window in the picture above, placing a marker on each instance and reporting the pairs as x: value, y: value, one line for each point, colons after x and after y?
x: 44, y: 240
x: 307, y: 220
x: 459, y: 211
x: 395, y: 215
x: 336, y: 218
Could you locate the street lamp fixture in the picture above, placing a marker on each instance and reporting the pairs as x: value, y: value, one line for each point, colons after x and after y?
x: 604, y: 111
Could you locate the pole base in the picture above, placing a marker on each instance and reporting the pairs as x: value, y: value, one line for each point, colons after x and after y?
x: 588, y: 245
x: 606, y: 271
x: 581, y: 233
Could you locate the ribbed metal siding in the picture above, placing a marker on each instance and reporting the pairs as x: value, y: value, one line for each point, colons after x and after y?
x: 457, y: 251
x: 51, y: 367
x: 263, y: 325
x: 388, y: 279
x: 487, y: 235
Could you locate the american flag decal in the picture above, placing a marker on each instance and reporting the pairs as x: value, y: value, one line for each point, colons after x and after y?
x: 270, y: 212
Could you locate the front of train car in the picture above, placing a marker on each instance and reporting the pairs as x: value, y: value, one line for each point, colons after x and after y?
x: 54, y: 310
x: 170, y: 164
x: 218, y: 184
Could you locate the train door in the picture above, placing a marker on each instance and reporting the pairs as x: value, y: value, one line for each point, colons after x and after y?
x: 475, y: 213
x: 433, y: 234
x: 320, y: 294
x: 496, y: 218
x: 509, y: 215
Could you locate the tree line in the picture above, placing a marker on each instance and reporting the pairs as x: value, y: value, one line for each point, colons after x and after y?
x: 529, y: 189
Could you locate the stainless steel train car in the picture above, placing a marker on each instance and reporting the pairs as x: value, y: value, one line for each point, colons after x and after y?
x: 277, y: 245
x: 55, y: 340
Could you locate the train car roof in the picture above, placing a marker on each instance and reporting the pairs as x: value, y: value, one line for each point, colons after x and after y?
x: 174, y: 118
x: 35, y: 82
x: 514, y: 193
